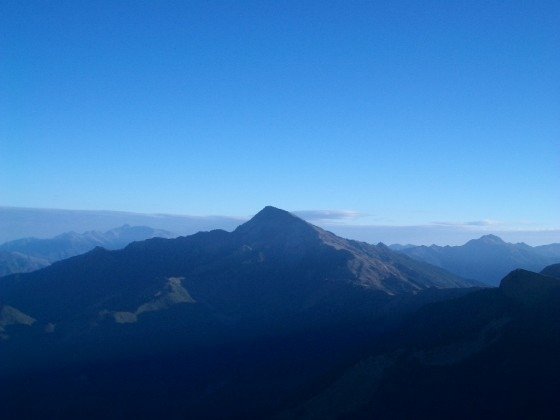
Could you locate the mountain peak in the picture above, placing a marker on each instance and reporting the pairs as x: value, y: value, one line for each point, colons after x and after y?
x: 273, y: 212
x: 275, y: 216
x: 272, y: 222
x: 491, y: 239
x: 487, y: 240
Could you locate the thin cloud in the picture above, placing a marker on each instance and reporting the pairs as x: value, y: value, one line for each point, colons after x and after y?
x: 482, y: 223
x: 476, y: 223
x: 328, y: 214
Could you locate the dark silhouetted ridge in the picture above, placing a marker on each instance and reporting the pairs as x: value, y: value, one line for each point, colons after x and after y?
x: 552, y: 270
x: 528, y: 287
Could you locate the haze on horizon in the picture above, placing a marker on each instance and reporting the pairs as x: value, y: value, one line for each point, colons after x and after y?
x: 430, y: 121
x: 16, y: 223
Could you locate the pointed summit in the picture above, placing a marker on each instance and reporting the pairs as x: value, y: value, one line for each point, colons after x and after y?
x: 273, y: 224
x: 272, y: 216
x: 491, y: 238
x: 487, y: 240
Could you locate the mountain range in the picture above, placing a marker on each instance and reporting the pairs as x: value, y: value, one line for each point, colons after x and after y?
x: 278, y: 318
x: 275, y: 264
x: 487, y: 259
x: 29, y: 254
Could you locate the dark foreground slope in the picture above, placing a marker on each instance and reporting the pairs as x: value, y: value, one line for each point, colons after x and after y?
x: 216, y: 324
x: 490, y: 354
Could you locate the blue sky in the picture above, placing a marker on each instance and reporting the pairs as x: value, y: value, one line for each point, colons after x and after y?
x: 403, y: 112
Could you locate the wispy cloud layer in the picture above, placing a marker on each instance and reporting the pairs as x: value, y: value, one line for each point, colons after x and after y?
x: 376, y: 229
x: 477, y: 223
x: 328, y: 214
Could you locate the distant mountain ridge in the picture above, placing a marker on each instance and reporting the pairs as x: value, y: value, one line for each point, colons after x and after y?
x: 487, y: 259
x: 29, y: 254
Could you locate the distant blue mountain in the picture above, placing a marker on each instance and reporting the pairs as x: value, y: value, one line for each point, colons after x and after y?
x: 19, y: 222
x: 487, y: 259
x: 29, y: 254
x: 400, y: 247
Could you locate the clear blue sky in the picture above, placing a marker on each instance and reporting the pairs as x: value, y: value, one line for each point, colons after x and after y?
x: 410, y: 112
